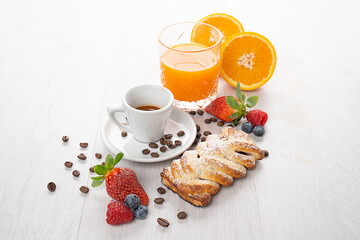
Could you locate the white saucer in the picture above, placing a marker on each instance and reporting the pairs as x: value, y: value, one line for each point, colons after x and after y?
x: 132, y: 148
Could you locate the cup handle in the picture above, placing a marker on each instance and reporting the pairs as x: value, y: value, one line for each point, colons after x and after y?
x: 111, y: 110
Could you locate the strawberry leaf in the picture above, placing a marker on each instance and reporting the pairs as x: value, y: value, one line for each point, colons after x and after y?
x: 243, y: 97
x: 118, y: 157
x: 97, y: 183
x: 98, y: 178
x: 235, y: 115
x: 236, y: 121
x: 231, y: 101
x: 252, y: 101
x: 109, y: 162
x: 238, y: 92
x: 100, y: 169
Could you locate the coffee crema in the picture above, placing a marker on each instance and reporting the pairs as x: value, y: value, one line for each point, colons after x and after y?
x: 148, y: 108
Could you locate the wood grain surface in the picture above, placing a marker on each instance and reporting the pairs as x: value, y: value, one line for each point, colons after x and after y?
x: 63, y: 62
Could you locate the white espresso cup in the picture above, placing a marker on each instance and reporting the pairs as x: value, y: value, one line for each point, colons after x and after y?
x: 146, y: 126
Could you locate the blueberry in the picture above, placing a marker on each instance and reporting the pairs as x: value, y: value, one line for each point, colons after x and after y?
x: 259, y: 130
x: 141, y: 212
x: 132, y: 201
x: 247, y: 127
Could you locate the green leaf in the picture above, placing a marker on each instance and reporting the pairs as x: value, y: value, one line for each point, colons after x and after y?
x: 236, y: 120
x: 109, y: 162
x: 100, y: 169
x: 97, y: 183
x: 231, y: 101
x: 238, y: 92
x: 235, y: 115
x: 118, y: 157
x: 243, y: 97
x: 252, y: 101
x: 98, y: 178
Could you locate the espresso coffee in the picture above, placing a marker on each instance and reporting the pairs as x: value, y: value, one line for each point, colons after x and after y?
x: 148, y: 108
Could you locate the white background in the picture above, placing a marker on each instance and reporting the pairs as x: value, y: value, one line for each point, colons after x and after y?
x: 62, y: 62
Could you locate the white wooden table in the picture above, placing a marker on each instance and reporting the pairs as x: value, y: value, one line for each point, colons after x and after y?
x: 63, y: 62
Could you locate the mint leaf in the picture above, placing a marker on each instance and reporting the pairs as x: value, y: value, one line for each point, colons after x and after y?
x: 109, y: 162
x: 243, y: 97
x: 238, y: 92
x: 235, y: 115
x: 118, y: 157
x: 98, y: 178
x: 97, y: 183
x: 231, y: 101
x: 252, y: 101
x: 100, y: 169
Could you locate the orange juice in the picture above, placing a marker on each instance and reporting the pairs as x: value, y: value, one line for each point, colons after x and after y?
x: 189, y: 73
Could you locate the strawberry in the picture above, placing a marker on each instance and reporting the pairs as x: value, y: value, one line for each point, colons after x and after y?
x: 257, y: 117
x: 231, y: 108
x: 120, y: 182
x: 118, y: 213
x: 220, y: 109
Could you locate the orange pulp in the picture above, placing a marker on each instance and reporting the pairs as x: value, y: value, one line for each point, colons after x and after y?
x: 189, y: 73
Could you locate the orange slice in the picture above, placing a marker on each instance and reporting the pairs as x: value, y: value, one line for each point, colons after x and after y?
x: 248, y: 58
x: 227, y: 25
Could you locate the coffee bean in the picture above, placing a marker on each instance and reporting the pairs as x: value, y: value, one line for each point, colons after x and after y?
x: 123, y: 133
x: 200, y: 112
x: 220, y: 123
x: 76, y: 173
x: 178, y: 142
x: 230, y: 125
x: 181, y: 133
x: 196, y: 141
x: 68, y: 164
x: 207, y: 121
x: 162, y: 141
x: 84, y: 189
x: 213, y: 119
x: 159, y: 200
x: 172, y: 146
x: 65, y: 138
x: 169, y: 142
x: 91, y: 169
x: 168, y: 136
x: 198, y: 128
x: 161, y: 190
x: 98, y: 155
x: 192, y: 112
x: 266, y: 153
x: 51, y: 186
x: 182, y: 215
x: 84, y: 145
x: 203, y: 139
x: 153, y: 145
x: 103, y: 163
x: 145, y: 151
x: 163, y: 149
x: 154, y: 154
x: 206, y: 133
x: 198, y: 135
x: 81, y: 156
x: 163, y: 222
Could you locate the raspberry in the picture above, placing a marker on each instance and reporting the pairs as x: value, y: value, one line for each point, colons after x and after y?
x: 257, y: 117
x: 118, y: 213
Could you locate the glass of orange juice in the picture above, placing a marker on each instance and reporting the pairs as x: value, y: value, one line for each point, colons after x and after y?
x: 189, y: 61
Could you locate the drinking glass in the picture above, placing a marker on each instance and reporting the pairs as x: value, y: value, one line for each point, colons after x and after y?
x: 189, y: 61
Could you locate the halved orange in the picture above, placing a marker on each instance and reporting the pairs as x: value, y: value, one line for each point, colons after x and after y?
x: 248, y: 58
x: 227, y: 25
